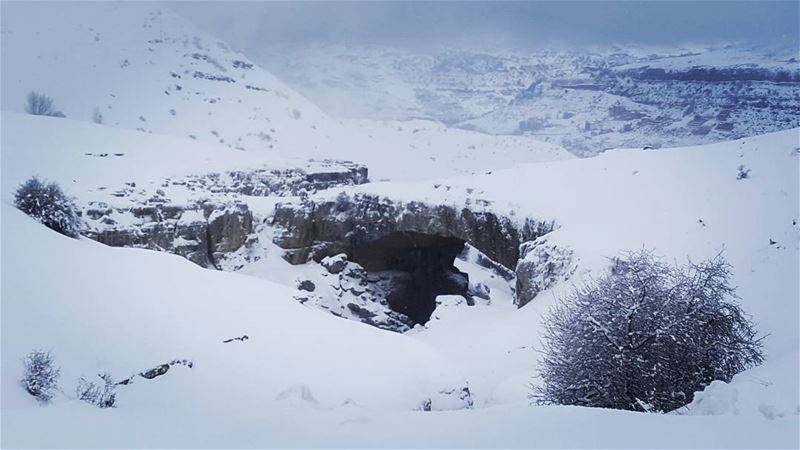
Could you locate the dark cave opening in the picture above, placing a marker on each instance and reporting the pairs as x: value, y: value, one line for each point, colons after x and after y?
x: 421, y: 267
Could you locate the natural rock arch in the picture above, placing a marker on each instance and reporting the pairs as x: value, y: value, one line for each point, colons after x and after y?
x: 418, y: 240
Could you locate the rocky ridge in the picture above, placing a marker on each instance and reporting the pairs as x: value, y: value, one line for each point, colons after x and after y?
x: 215, y: 220
x: 379, y: 261
x: 420, y: 241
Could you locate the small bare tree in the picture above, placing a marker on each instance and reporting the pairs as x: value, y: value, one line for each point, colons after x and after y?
x: 101, y: 395
x: 41, y: 105
x: 742, y: 172
x: 41, y: 375
x: 646, y: 336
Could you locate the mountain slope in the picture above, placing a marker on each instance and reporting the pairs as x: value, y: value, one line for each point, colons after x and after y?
x: 144, y: 68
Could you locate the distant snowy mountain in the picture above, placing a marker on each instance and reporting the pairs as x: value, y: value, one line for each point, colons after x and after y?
x: 587, y: 101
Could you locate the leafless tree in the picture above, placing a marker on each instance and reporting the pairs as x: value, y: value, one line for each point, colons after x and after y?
x: 41, y: 105
x: 646, y: 336
x: 102, y: 395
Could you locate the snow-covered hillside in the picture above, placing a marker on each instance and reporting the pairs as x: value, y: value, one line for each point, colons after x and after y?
x: 302, y: 379
x: 588, y: 101
x: 142, y: 67
x: 256, y: 304
x: 350, y: 382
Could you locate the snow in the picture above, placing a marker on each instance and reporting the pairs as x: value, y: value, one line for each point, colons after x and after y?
x: 140, y: 60
x: 68, y: 153
x: 728, y: 56
x: 305, y: 378
x: 145, y: 308
x: 654, y: 200
x: 121, y: 310
x: 251, y: 393
x: 560, y: 95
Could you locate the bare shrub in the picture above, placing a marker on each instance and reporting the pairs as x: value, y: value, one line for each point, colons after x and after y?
x: 41, y: 375
x: 742, y: 172
x: 101, y: 395
x: 646, y: 336
x: 41, y: 105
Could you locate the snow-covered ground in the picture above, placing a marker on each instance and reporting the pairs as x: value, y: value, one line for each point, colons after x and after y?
x: 126, y: 310
x: 681, y: 203
x: 152, y: 71
x: 304, y: 378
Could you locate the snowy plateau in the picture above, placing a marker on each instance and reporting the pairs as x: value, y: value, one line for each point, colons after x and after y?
x: 258, y: 271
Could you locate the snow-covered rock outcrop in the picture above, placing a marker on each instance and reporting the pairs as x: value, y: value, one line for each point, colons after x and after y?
x: 324, y: 227
x: 202, y: 233
x: 420, y: 241
x: 541, y: 266
x: 203, y: 229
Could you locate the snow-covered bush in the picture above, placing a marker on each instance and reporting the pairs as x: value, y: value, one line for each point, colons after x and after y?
x: 742, y: 172
x: 48, y: 204
x: 41, y: 105
x: 41, y: 375
x: 101, y: 395
x: 343, y: 202
x: 646, y: 336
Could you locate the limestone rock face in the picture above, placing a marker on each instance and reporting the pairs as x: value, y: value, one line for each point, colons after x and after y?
x: 314, y: 230
x: 191, y: 238
x: 228, y: 229
x: 317, y: 176
x: 201, y: 233
x: 206, y: 231
x: 541, y: 266
x: 327, y: 173
x: 413, y: 244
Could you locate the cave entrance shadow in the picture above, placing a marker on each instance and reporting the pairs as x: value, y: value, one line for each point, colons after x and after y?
x: 419, y: 266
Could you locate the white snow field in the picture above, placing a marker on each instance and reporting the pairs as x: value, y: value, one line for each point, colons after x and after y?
x: 144, y: 68
x: 308, y: 379
x: 305, y: 378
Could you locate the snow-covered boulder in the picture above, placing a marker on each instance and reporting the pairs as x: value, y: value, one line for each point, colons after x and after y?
x: 541, y: 265
x: 334, y: 264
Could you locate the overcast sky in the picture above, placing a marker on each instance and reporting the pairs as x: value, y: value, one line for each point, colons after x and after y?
x: 539, y: 23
